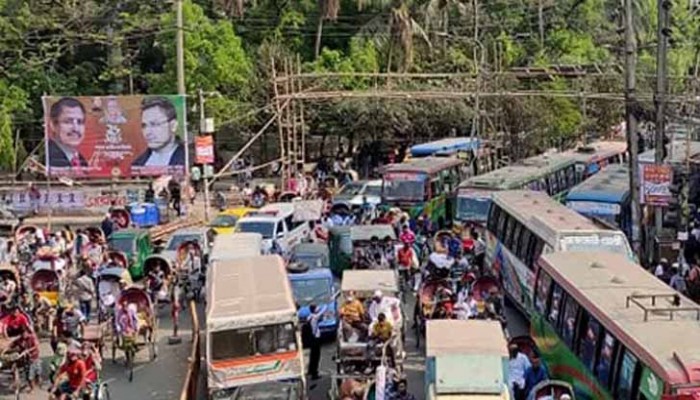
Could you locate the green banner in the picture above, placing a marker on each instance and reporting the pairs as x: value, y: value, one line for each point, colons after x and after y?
x: 650, y: 385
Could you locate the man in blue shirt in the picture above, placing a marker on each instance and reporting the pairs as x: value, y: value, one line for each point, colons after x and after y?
x: 535, y: 374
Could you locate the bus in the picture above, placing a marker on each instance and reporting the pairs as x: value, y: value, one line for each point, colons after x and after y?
x: 446, y: 147
x: 522, y: 225
x: 594, y: 156
x: 553, y: 173
x: 423, y: 186
x: 613, y: 330
x: 605, y: 197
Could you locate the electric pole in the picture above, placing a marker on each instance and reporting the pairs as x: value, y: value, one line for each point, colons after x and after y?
x: 203, y: 130
x: 180, y: 50
x: 660, y: 95
x: 631, y: 122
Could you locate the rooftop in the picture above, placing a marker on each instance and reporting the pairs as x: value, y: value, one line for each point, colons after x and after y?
x: 427, y: 165
x: 452, y: 337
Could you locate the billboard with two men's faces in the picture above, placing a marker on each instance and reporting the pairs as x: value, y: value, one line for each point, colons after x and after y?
x: 115, y: 136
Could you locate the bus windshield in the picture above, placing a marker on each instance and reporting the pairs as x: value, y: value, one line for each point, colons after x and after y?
x: 406, y: 187
x: 473, y: 207
x: 613, y: 242
x: 312, y: 291
x: 248, y: 342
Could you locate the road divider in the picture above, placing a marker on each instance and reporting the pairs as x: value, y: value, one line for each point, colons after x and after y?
x: 189, y: 387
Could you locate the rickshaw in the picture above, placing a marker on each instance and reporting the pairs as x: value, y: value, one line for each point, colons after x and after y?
x: 287, y: 197
x: 345, y: 240
x: 95, y: 235
x: 427, y: 302
x: 189, y: 268
x: 118, y: 257
x: 13, y: 368
x: 147, y: 327
x: 47, y: 284
x: 151, y: 262
x: 47, y: 258
x: 25, y: 230
x: 121, y: 217
x: 109, y: 283
x: 353, y: 356
x: 9, y: 271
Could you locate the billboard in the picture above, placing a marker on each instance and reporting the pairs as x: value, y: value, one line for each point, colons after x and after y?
x: 115, y: 136
x: 204, y: 149
x: 655, y: 185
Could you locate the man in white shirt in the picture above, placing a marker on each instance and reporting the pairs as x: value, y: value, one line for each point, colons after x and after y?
x: 159, y: 126
x: 518, y: 363
x: 388, y: 305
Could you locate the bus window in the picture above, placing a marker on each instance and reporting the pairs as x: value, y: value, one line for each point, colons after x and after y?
x: 494, y: 213
x: 588, y: 343
x: 561, y: 180
x: 626, y: 374
x: 604, y: 366
x: 501, y: 228
x: 569, y: 326
x: 525, y: 244
x: 555, y: 306
x: 571, y: 176
x: 553, y: 185
x: 517, y: 240
x: 537, y: 251
x: 544, y: 281
x: 510, y: 227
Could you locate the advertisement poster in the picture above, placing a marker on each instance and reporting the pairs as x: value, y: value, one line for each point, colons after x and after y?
x: 79, y: 201
x: 656, y: 181
x: 204, y: 149
x: 115, y: 136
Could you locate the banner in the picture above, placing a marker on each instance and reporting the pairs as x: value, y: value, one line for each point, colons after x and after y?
x: 655, y: 185
x: 84, y: 200
x: 204, y: 149
x: 115, y: 136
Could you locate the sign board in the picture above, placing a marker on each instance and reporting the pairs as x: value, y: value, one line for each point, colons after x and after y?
x: 69, y: 200
x: 90, y: 137
x: 204, y: 149
x: 655, y: 185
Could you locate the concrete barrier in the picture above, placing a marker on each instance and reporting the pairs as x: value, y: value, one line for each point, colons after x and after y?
x: 189, y: 387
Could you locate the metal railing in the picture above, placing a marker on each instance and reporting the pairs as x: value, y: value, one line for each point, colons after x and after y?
x: 189, y: 387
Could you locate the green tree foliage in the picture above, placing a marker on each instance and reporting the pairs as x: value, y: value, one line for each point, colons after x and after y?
x: 95, y: 47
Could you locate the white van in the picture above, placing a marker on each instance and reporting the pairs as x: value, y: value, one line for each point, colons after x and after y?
x: 275, y: 222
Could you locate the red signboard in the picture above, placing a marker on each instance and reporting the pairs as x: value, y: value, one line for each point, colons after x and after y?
x: 103, y: 137
x: 204, y: 149
x: 655, y: 185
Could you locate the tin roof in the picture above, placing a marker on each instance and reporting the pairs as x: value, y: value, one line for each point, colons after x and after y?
x: 611, y: 185
x: 367, y: 281
x: 427, y: 165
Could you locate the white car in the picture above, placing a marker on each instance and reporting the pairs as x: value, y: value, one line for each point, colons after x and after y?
x: 353, y: 193
x: 275, y: 222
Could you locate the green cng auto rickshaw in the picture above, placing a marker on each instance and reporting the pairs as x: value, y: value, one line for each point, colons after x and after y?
x: 136, y: 244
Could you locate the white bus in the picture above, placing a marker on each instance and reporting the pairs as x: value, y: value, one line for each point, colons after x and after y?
x: 522, y: 225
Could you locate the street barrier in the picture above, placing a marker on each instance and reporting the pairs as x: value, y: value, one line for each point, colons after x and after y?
x: 189, y: 388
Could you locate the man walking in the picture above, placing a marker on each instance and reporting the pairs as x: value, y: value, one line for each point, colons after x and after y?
x: 315, y: 356
x: 85, y: 291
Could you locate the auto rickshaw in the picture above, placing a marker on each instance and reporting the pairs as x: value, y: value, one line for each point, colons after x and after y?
x: 353, y: 356
x: 161, y: 293
x: 345, y: 240
x: 136, y: 244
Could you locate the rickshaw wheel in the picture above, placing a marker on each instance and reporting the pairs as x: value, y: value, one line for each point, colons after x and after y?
x: 16, y: 381
x: 130, y: 363
x: 103, y: 392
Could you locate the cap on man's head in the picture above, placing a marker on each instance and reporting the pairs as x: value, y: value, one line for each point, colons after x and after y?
x: 377, y: 293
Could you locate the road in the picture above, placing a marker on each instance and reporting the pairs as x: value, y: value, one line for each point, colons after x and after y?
x: 160, y: 379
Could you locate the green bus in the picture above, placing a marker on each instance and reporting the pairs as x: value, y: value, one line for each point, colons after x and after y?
x: 553, y: 173
x: 423, y: 186
x: 613, y: 330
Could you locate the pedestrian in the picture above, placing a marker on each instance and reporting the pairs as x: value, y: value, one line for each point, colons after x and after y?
x: 150, y: 194
x: 677, y: 279
x: 535, y: 374
x: 479, y: 251
x: 315, y: 345
x: 660, y: 269
x: 85, y: 291
x: 34, y: 198
x: 107, y: 225
x: 175, y: 197
x: 402, y: 391
x: 518, y: 363
x: 196, y: 177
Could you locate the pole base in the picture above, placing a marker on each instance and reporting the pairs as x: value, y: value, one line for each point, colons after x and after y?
x: 174, y: 340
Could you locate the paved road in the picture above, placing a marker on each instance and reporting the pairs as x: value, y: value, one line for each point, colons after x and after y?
x: 160, y: 379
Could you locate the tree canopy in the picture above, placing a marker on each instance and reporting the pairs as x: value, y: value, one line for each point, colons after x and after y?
x: 126, y: 46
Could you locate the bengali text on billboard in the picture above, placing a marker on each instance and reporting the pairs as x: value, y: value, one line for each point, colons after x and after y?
x: 656, y: 181
x: 115, y: 136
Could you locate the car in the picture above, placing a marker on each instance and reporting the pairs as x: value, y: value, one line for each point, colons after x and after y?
x: 312, y: 255
x: 136, y: 245
x: 352, y: 194
x: 204, y: 236
x: 315, y: 286
x: 276, y: 223
x: 225, y: 221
